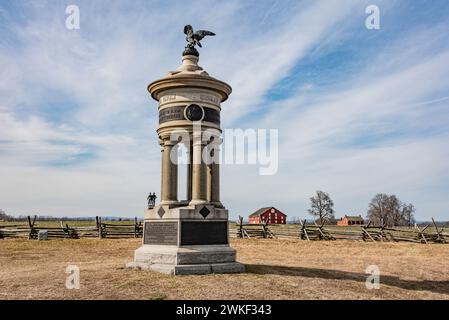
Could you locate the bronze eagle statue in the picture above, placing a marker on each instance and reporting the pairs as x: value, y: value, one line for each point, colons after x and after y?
x: 193, y: 38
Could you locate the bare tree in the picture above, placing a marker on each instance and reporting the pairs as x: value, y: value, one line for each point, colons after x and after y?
x: 322, y: 206
x: 390, y: 210
x: 377, y: 210
x: 408, y: 211
x: 394, y: 207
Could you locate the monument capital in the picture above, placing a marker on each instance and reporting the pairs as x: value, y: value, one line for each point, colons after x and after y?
x: 189, y: 75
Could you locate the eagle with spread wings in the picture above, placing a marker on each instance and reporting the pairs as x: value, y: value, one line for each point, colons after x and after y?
x: 193, y: 38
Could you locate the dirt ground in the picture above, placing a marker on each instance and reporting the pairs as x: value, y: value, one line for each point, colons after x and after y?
x: 276, y: 269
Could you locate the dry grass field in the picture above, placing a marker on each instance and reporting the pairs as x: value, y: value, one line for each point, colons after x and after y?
x: 276, y: 269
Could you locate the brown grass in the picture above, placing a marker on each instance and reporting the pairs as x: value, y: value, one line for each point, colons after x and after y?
x: 276, y: 270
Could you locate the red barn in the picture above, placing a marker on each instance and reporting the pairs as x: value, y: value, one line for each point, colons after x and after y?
x: 350, y: 221
x: 270, y: 215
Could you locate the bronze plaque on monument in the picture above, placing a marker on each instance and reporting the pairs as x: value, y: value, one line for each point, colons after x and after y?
x: 161, y: 233
x: 204, y: 233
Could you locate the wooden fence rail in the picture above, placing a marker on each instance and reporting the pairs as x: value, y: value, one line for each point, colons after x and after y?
x: 99, y: 230
x: 314, y: 231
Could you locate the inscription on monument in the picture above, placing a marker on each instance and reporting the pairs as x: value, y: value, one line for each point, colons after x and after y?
x: 171, y: 114
x: 210, y: 99
x: 161, y: 233
x: 168, y: 98
x: 203, y: 233
x: 198, y: 96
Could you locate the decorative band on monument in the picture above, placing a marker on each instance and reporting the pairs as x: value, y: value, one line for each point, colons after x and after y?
x: 191, y: 112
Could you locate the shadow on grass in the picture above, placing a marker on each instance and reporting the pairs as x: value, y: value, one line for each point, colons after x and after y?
x: 427, y: 285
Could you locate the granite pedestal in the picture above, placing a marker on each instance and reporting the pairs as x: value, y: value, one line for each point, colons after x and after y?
x: 186, y: 240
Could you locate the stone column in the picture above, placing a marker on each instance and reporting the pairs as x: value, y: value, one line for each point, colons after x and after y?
x: 199, y: 174
x: 161, y: 143
x: 209, y: 182
x: 213, y: 171
x: 169, y: 175
x: 215, y: 185
x: 215, y: 175
x: 189, y: 170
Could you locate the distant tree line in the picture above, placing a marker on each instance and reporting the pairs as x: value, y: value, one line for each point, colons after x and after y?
x: 6, y: 217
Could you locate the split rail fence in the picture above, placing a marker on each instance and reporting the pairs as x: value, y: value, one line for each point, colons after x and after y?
x: 431, y: 233
x: 99, y: 230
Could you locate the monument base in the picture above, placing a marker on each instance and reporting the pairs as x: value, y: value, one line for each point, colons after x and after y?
x: 187, y: 269
x: 186, y: 240
x: 186, y: 260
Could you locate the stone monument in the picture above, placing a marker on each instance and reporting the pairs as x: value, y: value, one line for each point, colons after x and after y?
x: 188, y: 236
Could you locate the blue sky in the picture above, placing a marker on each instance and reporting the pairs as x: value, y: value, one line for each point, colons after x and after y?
x: 358, y: 111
